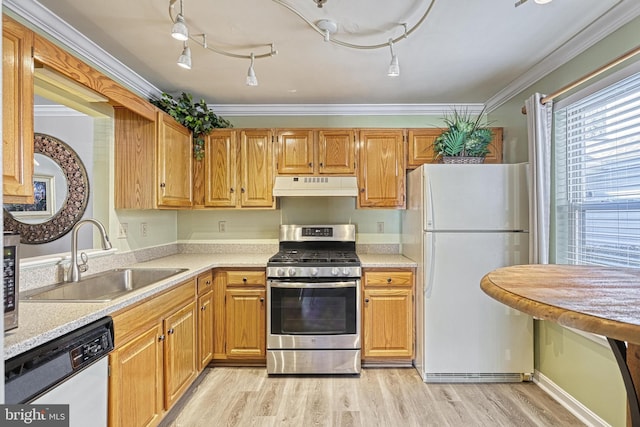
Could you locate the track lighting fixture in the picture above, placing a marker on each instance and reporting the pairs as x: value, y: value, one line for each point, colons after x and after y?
x: 325, y: 27
x: 184, y: 60
x: 252, y: 80
x: 394, y: 66
x: 180, y: 31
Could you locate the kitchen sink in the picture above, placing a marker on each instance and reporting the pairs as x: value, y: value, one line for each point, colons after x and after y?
x: 102, y: 287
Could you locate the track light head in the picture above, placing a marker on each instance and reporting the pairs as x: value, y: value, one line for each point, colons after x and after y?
x: 252, y: 80
x: 179, y: 31
x: 184, y: 60
x: 394, y: 66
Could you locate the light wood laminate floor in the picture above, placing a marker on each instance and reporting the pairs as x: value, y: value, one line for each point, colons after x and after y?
x: 379, y: 397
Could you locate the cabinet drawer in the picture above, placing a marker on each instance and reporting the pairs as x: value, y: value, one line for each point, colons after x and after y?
x: 205, y: 283
x: 388, y: 278
x: 245, y: 278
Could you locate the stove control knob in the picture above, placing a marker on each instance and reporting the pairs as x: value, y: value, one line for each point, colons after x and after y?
x: 335, y: 271
x: 280, y: 272
x: 314, y: 271
x: 345, y: 271
x: 292, y: 271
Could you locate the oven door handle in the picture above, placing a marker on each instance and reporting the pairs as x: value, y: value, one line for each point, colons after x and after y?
x: 294, y: 285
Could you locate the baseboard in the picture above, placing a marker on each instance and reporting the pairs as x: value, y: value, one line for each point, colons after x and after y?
x: 569, y: 402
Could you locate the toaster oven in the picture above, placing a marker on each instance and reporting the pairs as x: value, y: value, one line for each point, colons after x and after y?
x: 10, y: 275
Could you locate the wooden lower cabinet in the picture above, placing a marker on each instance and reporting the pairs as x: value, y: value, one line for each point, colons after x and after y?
x: 135, y: 381
x: 388, y: 315
x: 154, y: 360
x: 240, y: 315
x: 205, y: 319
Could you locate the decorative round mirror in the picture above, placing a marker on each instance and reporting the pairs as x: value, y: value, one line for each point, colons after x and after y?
x: 61, y: 193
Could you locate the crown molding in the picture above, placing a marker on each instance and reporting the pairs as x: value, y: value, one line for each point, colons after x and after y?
x: 42, y: 20
x: 617, y: 16
x: 341, y: 109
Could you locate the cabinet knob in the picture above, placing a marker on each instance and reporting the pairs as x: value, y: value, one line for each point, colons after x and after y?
x: 170, y: 331
x: 388, y: 279
x: 310, y: 164
x: 231, y: 190
x: 203, y: 308
x: 162, y: 185
x: 208, y: 282
x: 321, y: 164
x: 242, y: 189
x: 244, y: 279
x: 362, y: 190
x: 261, y: 299
x: 366, y: 300
x: 161, y: 337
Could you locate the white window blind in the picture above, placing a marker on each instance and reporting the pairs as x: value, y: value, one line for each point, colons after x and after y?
x: 598, y: 177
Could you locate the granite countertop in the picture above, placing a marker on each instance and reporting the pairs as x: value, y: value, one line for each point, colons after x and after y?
x: 43, y: 321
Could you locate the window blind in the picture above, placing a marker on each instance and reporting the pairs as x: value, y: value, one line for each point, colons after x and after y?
x: 597, y: 160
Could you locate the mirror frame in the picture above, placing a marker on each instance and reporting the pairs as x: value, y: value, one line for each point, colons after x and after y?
x: 74, y: 204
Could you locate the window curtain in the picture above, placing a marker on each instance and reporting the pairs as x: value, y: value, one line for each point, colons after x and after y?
x: 539, y: 120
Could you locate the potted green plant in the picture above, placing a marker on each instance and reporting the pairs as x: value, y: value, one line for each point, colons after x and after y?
x: 197, y: 117
x: 464, y: 140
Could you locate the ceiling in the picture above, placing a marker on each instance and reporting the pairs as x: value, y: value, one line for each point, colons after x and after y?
x: 464, y: 52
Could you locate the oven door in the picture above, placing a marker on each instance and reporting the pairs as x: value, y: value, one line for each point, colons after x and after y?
x: 313, y: 315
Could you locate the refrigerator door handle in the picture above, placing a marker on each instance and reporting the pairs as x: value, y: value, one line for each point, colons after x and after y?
x: 429, y: 212
x: 431, y: 265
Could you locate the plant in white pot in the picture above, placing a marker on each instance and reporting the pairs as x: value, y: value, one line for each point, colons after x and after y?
x: 464, y: 140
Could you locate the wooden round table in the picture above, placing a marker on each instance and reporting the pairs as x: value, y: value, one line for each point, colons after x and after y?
x: 601, y: 300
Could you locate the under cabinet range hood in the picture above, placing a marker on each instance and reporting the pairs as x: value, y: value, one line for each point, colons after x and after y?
x: 309, y: 186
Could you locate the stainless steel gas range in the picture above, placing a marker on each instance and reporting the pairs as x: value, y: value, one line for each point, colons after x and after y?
x: 313, y: 301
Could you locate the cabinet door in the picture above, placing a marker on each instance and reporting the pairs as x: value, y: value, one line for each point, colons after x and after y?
x: 381, y: 175
x: 220, y: 169
x: 205, y: 329
x: 17, y: 112
x: 421, y: 146
x: 135, y: 381
x: 256, y: 169
x: 295, y: 152
x: 245, y: 323
x: 388, y: 323
x: 337, y: 152
x: 174, y: 163
x: 180, y: 352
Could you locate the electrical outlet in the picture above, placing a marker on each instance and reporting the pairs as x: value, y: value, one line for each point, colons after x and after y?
x: 222, y: 226
x: 123, y: 230
x: 143, y: 229
x: 381, y: 227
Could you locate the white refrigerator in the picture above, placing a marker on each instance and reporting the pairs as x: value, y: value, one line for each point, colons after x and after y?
x: 461, y: 222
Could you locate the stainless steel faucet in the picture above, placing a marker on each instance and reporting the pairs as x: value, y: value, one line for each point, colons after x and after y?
x: 74, y: 268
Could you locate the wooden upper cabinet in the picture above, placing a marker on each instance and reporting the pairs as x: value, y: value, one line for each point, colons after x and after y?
x: 17, y: 112
x: 295, y: 151
x: 174, y: 165
x: 421, y: 151
x: 256, y: 168
x: 220, y: 169
x: 381, y: 172
x: 153, y: 162
x: 337, y: 151
x: 309, y: 152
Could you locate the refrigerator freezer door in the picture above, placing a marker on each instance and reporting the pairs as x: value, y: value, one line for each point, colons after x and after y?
x: 469, y: 336
x: 475, y: 197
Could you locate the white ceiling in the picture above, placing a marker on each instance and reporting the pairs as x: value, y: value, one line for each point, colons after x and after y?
x: 466, y: 51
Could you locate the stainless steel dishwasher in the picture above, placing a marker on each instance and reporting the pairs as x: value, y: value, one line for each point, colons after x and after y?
x: 71, y: 369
